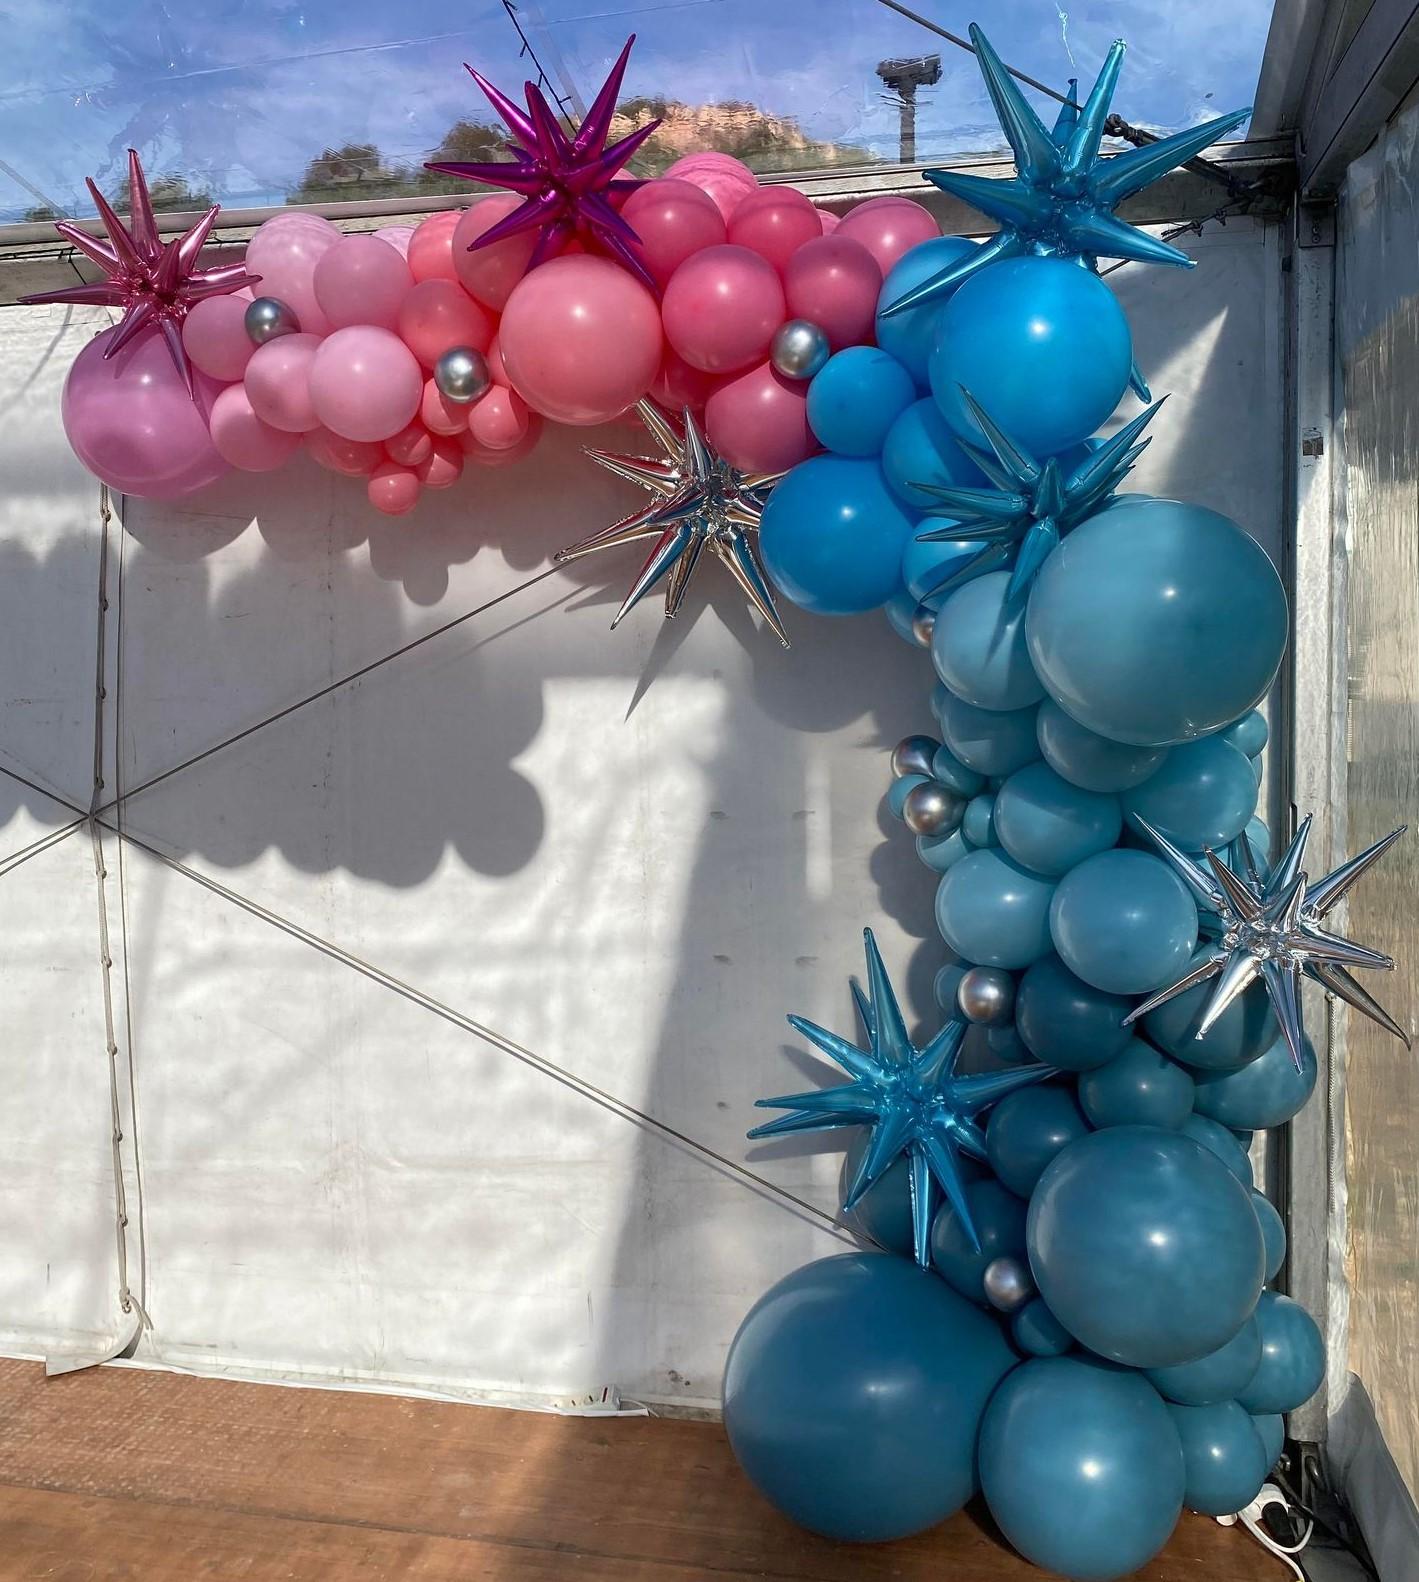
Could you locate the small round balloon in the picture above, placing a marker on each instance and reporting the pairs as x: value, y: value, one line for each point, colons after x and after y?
x: 1067, y: 1022
x: 1138, y: 1087
x: 999, y: 1220
x: 855, y: 398
x: 1222, y: 1144
x: 1223, y: 1456
x: 1273, y: 1233
x: 990, y: 741
x: 1050, y: 826
x: 1218, y: 1376
x: 1204, y: 795
x: 920, y: 449
x: 1092, y: 762
x: 1266, y: 1092
x: 1124, y: 922
x: 1292, y: 1357
x: 992, y: 911
x: 1246, y: 1028
x: 1025, y: 1132
x: 910, y: 335
x: 979, y: 647
x: 1038, y: 1333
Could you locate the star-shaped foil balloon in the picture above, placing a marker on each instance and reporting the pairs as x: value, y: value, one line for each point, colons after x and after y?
x: 1060, y: 202
x: 1033, y: 504
x: 1272, y: 928
x: 563, y: 180
x: 698, y: 502
x: 154, y: 282
x: 912, y: 1099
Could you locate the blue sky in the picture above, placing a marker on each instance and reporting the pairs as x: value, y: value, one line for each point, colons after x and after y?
x: 241, y: 93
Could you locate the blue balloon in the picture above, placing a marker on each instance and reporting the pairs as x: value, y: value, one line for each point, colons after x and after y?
x: 994, y: 912
x: 1145, y: 1246
x: 1093, y: 763
x: 953, y: 774
x: 884, y: 1212
x: 1273, y: 1233
x: 909, y: 335
x: 1081, y: 1467
x: 1065, y: 1021
x: 1036, y: 1331
x: 901, y: 788
x: 1041, y: 344
x: 1223, y: 1455
x: 1139, y: 1087
x: 978, y: 822
x: 832, y: 536
x: 1249, y: 734
x: 1006, y: 1044
x: 1204, y: 795
x: 1268, y: 1092
x: 920, y: 448
x: 989, y: 741
x: 853, y: 1395
x: 979, y: 649
x: 1216, y: 1139
x: 1050, y: 826
x: 856, y: 397
x: 900, y: 611
x: 946, y: 982
x: 1025, y: 1132
x: 999, y: 1218
x: 941, y: 853
x: 1240, y: 1034
x: 1292, y: 1357
x: 1156, y: 622
x: 926, y: 565
x: 1272, y: 1428
x: 1217, y: 1376
x: 1123, y: 921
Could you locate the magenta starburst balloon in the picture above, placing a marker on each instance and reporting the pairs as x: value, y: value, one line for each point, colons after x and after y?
x: 562, y: 179
x: 154, y: 282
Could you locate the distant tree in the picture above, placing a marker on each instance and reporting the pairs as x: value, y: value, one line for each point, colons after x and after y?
x: 169, y: 194
x: 354, y: 169
x: 43, y: 211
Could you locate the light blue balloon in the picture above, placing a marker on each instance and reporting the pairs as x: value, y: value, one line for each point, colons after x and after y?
x: 1204, y: 795
x: 1273, y: 1233
x: 1239, y: 1035
x: 1123, y: 921
x: 1292, y: 1357
x: 901, y: 788
x: 1223, y: 1455
x: 1271, y: 1426
x: 941, y: 853
x: 921, y: 449
x: 900, y: 611
x: 856, y: 397
x: 1139, y: 1087
x: 853, y: 1395
x: 1249, y: 735
x: 946, y: 982
x: 989, y: 741
x: 1156, y: 622
x: 1025, y: 1132
x: 884, y: 1212
x: 1217, y: 1376
x: 1081, y: 1467
x: 1145, y: 1246
x: 1092, y: 762
x: 1050, y: 826
x: 1217, y: 1140
x: 999, y: 1218
x: 994, y: 912
x: 979, y: 648
x: 1041, y: 344
x: 926, y: 565
x: 1036, y: 1331
x: 1067, y: 1022
x: 1268, y: 1092
x: 951, y: 772
x: 978, y: 822
x: 909, y: 335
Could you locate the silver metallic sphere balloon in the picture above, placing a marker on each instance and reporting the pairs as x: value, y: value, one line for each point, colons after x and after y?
x: 913, y: 754
x: 461, y: 374
x: 924, y: 624
x: 986, y: 995
x: 268, y: 318
x: 799, y: 349
x: 932, y: 809
x: 1009, y: 1284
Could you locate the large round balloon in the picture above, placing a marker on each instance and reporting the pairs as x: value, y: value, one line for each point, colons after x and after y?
x: 1145, y: 1246
x: 1067, y: 1022
x: 853, y: 1396
x: 909, y: 336
x: 1138, y: 1087
x: 1216, y: 1377
x: 1081, y: 1467
x: 1123, y: 921
x: 978, y: 646
x: 1239, y: 1035
x: 920, y: 449
x: 990, y: 741
x: 992, y: 911
x: 1090, y: 761
x: 1025, y: 1132
x: 1223, y: 1455
x: 856, y: 397
x: 1273, y: 1233
x: 1292, y: 1357
x: 1049, y: 825
x: 1204, y: 795
x: 999, y: 1220
x: 1268, y: 1092
x: 1156, y: 622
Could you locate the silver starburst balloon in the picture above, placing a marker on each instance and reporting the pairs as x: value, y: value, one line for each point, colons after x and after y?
x: 698, y: 502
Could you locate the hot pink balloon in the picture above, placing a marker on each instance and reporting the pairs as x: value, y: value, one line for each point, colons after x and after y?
x: 774, y: 222
x: 829, y: 221
x: 759, y: 421
x: 438, y: 315
x: 491, y: 273
x: 498, y: 418
x: 214, y: 337
x: 888, y: 227
x: 484, y: 457
x: 678, y: 385
x: 361, y: 281
x: 284, y: 252
x: 726, y: 179
x: 722, y: 307
x: 580, y: 339
x: 132, y: 422
x: 398, y: 237
x: 243, y: 439
x: 393, y: 489
x: 410, y: 445
x: 365, y: 383
x: 834, y: 283
x: 277, y: 382
x: 355, y: 458
x: 440, y: 415
x: 443, y: 466
x: 672, y: 219
x: 431, y: 247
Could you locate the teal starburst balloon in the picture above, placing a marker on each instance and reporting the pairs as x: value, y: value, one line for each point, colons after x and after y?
x: 1032, y: 505
x: 912, y: 1100
x: 1061, y: 201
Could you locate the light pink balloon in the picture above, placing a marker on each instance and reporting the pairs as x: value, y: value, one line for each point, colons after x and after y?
x: 443, y: 466
x: 672, y: 219
x: 495, y: 363
x: 491, y: 273
x: 774, y: 222
x: 580, y: 339
x: 398, y: 237
x: 498, y: 418
x: 431, y: 250
x: 243, y: 439
x: 355, y: 458
x: 721, y: 309
x: 888, y: 227
x: 393, y: 489
x: 284, y: 252
x: 361, y: 281
x: 365, y: 382
x: 410, y: 445
x: 834, y: 283
x: 277, y: 381
x: 759, y: 421
x: 727, y: 180
x: 440, y: 415
x: 484, y: 457
x: 438, y: 315
x: 678, y: 385
x: 214, y: 336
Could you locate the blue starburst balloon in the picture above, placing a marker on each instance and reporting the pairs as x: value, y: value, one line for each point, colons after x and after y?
x: 1032, y: 505
x: 912, y: 1099
x: 1060, y: 202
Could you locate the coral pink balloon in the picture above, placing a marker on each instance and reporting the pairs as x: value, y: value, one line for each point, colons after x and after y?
x: 580, y: 339
x: 393, y: 489
x: 829, y: 221
x: 243, y: 439
x: 672, y: 219
x: 431, y: 247
x: 356, y: 458
x: 888, y: 227
x: 721, y: 309
x: 410, y: 445
x: 439, y: 314
x: 484, y: 457
x: 440, y: 415
x: 726, y: 179
x: 277, y: 381
x: 834, y: 283
x: 495, y: 363
x: 443, y: 466
x: 362, y: 281
x: 132, y: 422
x: 678, y: 385
x: 398, y: 237
x: 491, y: 273
x: 215, y: 338
x: 365, y: 383
x: 774, y: 222
x: 284, y: 252
x: 498, y: 419
x: 759, y: 421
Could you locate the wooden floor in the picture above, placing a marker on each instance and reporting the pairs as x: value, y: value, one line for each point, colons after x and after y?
x: 150, y: 1477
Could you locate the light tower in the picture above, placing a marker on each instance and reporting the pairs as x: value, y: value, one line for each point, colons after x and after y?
x: 903, y: 78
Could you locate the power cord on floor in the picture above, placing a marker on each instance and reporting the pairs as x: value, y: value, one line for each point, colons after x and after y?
x: 1253, y: 1517
x: 1333, y: 1530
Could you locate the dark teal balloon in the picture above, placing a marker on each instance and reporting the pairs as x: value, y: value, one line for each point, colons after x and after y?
x: 884, y: 1212
x: 926, y: 565
x: 1273, y: 1233
x: 1203, y: 795
x: 978, y: 822
x: 979, y: 649
x: 1216, y: 1139
x: 941, y: 853
x: 855, y: 397
x: 832, y: 536
x: 946, y: 982
x: 1092, y: 762
x: 953, y: 774
x: 1036, y: 1330
x: 901, y: 788
x: 999, y: 1218
x: 1272, y: 1428
x: 1156, y: 622
x: 853, y: 1395
x: 909, y: 335
x: 993, y: 912
x: 1067, y: 1022
x: 1123, y: 921
x: 986, y: 740
x: 1050, y: 826
x: 1025, y: 1132
x: 1268, y: 1092
x: 1292, y: 1362
x: 1144, y: 1245
x: 1139, y: 1087
x: 1223, y: 1455
x: 1239, y: 1035
x: 920, y: 448
x: 1216, y: 1377
x: 1081, y: 1467
x: 1249, y: 734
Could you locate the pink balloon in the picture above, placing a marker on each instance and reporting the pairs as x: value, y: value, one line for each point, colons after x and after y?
x: 410, y: 445
x: 495, y: 363
x: 365, y: 383
x: 438, y: 315
x: 726, y: 179
x: 440, y: 415
x: 392, y: 489
x: 491, y: 273
x: 398, y: 237
x: 133, y: 424
x: 361, y: 281
x: 672, y: 219
x: 243, y: 439
x: 484, y: 457
x: 888, y: 227
x: 677, y: 385
x: 759, y: 421
x: 215, y: 338
x: 355, y: 458
x: 834, y: 283
x: 580, y: 339
x: 284, y: 252
x: 774, y: 222
x: 431, y: 248
x: 443, y: 466
x: 498, y: 418
x: 829, y: 221
x: 277, y: 382
x: 722, y: 307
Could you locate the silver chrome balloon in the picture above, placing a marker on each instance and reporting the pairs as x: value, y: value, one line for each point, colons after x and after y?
x: 799, y: 349
x: 986, y: 996
x: 268, y: 318
x: 932, y: 809
x: 461, y: 374
x: 913, y: 754
x: 924, y: 624
x: 1009, y: 1284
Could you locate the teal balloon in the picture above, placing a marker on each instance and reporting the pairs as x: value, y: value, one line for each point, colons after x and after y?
x: 901, y: 788
x: 1217, y: 1140
x: 926, y: 565
x: 1007, y: 1045
x: 979, y: 649
x: 909, y: 335
x: 999, y: 1218
x: 921, y: 449
x: 1026, y: 1130
x: 1268, y: 1092
x: 884, y: 1212
x: 853, y: 1396
x: 1273, y: 1233
x: 1139, y: 1087
x: 1272, y: 1428
x: 1249, y: 734
x: 1067, y: 1022
x: 1156, y: 622
x: 1240, y: 1034
x: 855, y: 398
x: 990, y: 741
x: 994, y: 912
x: 1050, y: 826
x: 1216, y: 1377
x: 1144, y: 1245
x: 953, y: 774
x: 1041, y: 344
x: 832, y: 536
x: 978, y: 822
x: 1224, y: 1459
x: 1037, y: 1332
x: 1292, y: 1362
x: 1081, y: 1467
x: 946, y: 982
x: 1123, y: 921
x: 1092, y: 762
x: 1204, y: 795
x: 941, y: 853
x: 900, y: 611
